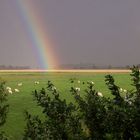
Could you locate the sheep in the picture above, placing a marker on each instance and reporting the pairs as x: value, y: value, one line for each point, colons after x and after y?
x: 121, y: 90
x: 8, y: 88
x: 100, y: 94
x: 36, y: 82
x: 16, y: 90
x: 125, y: 91
x: 78, y: 81
x: 77, y: 89
x: 10, y: 91
x: 53, y: 88
x: 92, y: 83
x: 19, y: 84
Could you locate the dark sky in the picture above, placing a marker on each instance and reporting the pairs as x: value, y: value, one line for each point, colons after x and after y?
x: 102, y: 32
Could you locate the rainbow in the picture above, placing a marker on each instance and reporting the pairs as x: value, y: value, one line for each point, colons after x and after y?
x: 46, y: 57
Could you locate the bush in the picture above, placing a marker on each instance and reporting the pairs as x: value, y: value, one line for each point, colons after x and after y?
x: 90, y: 118
x: 61, y: 119
x: 3, y: 108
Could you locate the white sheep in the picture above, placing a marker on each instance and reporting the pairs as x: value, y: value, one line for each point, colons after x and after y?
x: 19, y: 84
x: 125, y: 91
x: 16, y: 90
x: 8, y: 88
x: 78, y: 81
x: 100, y: 94
x: 10, y: 91
x: 53, y: 88
x: 77, y: 89
x: 121, y: 90
x: 92, y: 83
x: 36, y: 82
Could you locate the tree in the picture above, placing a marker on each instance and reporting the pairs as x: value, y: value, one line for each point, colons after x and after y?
x: 61, y: 119
x: 3, y: 108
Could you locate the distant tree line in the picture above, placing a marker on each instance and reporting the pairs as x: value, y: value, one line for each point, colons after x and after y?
x: 93, y: 66
x: 10, y: 67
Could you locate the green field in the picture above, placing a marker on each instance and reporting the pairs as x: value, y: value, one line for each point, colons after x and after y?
x: 19, y: 102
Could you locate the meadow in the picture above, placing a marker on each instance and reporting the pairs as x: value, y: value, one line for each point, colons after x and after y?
x: 24, y: 100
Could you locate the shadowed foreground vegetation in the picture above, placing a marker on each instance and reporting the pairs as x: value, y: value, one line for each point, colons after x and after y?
x: 92, y: 117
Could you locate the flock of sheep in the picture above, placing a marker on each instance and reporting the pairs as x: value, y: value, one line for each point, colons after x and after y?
x: 92, y: 83
x: 98, y: 93
x: 16, y: 90
x: 9, y: 90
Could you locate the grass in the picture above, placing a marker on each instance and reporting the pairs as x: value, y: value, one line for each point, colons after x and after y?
x: 19, y: 102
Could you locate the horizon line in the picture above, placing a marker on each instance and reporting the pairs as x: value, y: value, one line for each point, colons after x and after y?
x: 72, y: 70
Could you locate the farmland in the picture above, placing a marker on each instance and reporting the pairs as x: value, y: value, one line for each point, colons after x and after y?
x: 23, y: 100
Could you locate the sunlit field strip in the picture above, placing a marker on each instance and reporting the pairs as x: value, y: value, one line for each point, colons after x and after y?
x: 74, y: 70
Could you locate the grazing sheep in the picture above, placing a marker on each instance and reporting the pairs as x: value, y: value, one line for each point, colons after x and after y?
x: 53, y: 88
x: 121, y: 90
x: 10, y: 91
x: 16, y: 90
x: 77, y: 89
x: 19, y: 84
x: 8, y: 88
x: 125, y: 91
x: 92, y: 83
x: 78, y: 81
x: 100, y: 94
x: 36, y: 82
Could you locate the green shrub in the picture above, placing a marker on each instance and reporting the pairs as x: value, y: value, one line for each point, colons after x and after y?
x: 3, y: 108
x: 61, y: 119
x: 92, y: 117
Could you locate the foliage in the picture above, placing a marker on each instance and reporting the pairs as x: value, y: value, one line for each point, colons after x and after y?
x: 61, y: 121
x: 3, y: 108
x: 93, y: 112
x: 92, y: 117
x: 119, y: 113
